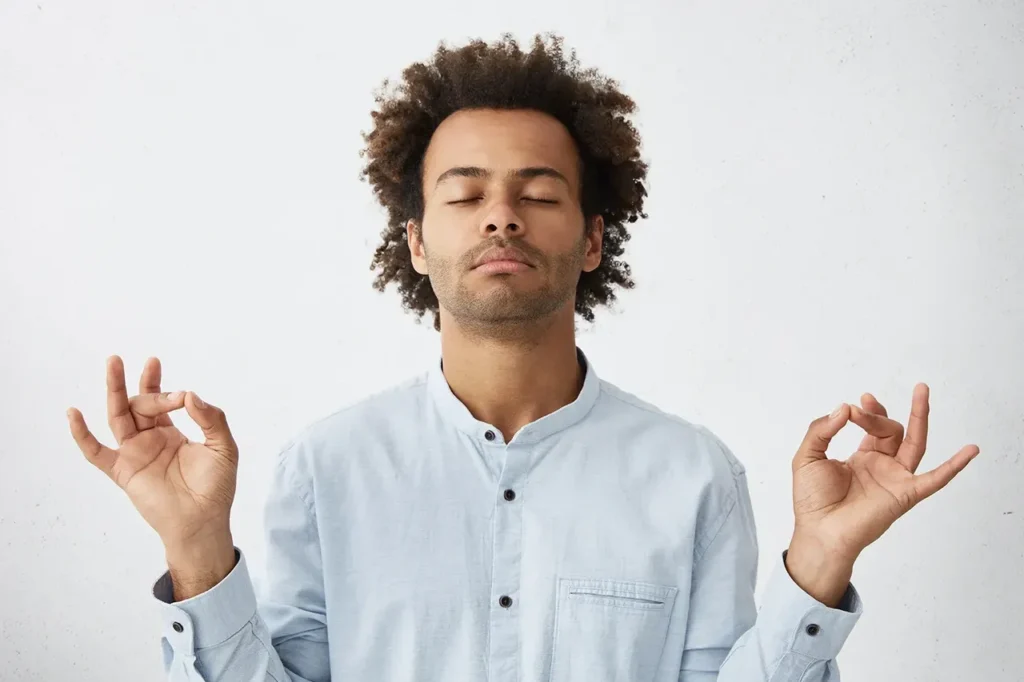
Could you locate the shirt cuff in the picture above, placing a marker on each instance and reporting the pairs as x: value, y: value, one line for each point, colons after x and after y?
x: 209, y: 618
x: 800, y: 622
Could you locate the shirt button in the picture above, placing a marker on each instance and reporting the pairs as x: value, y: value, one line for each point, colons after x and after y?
x: 510, y: 494
x: 505, y: 601
x: 178, y: 627
x: 489, y: 435
x: 813, y: 629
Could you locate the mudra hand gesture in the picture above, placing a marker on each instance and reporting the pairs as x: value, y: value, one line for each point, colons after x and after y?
x: 842, y: 506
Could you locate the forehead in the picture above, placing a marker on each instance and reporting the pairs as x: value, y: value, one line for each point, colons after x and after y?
x: 500, y: 139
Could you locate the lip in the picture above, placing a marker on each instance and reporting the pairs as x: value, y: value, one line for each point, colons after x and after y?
x: 504, y: 257
x: 494, y: 267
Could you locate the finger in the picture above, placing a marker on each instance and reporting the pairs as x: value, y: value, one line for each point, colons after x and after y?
x: 97, y: 453
x: 149, y: 382
x: 119, y: 413
x: 819, y: 434
x: 929, y: 483
x: 214, y: 424
x: 870, y: 404
x: 912, y: 450
x: 888, y: 433
x: 149, y: 406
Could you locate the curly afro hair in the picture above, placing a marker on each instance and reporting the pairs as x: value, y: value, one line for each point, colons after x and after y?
x: 503, y: 76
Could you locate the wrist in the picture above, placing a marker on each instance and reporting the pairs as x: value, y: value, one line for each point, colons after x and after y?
x: 822, y: 573
x: 199, y: 564
x: 195, y: 544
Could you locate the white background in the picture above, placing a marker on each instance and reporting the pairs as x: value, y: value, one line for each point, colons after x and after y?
x: 836, y: 206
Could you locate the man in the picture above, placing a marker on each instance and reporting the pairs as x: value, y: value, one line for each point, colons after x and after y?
x: 508, y: 515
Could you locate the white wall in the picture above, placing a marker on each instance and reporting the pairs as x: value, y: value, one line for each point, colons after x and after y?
x: 836, y: 206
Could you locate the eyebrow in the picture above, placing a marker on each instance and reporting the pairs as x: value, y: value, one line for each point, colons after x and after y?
x: 513, y: 173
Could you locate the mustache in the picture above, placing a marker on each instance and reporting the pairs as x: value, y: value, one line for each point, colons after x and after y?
x: 470, y: 258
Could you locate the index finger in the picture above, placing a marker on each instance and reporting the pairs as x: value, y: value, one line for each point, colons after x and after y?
x: 119, y: 412
x: 871, y: 404
x: 887, y: 433
x: 152, y: 405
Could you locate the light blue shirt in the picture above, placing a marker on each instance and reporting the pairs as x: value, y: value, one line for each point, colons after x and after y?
x: 406, y: 540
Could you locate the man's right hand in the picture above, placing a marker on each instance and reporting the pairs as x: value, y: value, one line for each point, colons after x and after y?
x: 184, y: 490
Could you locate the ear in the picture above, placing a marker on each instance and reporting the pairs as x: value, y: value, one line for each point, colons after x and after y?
x: 595, y: 238
x: 414, y: 237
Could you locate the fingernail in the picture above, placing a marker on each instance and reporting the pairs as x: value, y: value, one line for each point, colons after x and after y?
x: 172, y: 397
x: 835, y: 412
x: 199, y: 401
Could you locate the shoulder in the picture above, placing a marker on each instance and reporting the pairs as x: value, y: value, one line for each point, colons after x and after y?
x: 694, y: 464
x: 696, y: 443
x: 351, y: 425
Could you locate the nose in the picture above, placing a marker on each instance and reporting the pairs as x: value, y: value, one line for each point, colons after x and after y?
x: 501, y: 218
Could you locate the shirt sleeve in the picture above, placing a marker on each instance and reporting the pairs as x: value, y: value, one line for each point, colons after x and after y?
x: 793, y: 638
x: 228, y: 633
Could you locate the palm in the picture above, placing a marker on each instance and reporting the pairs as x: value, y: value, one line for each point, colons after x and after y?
x: 858, y: 498
x: 165, y: 474
x: 850, y: 503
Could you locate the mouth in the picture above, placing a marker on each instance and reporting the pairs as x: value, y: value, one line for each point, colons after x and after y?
x: 494, y: 267
x: 502, y: 255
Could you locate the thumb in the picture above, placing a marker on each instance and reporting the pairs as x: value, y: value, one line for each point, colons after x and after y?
x: 214, y: 424
x: 819, y: 434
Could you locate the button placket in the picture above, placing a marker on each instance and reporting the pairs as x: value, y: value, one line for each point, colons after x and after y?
x: 505, y: 597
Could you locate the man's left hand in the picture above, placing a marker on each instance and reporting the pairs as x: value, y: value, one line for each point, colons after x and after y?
x: 843, y: 506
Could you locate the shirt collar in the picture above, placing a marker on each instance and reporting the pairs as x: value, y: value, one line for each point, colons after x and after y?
x: 455, y: 411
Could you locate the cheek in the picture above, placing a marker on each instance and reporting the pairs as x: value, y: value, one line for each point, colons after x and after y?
x: 441, y: 244
x: 565, y: 236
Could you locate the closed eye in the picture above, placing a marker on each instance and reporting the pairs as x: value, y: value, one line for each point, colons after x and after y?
x: 533, y: 199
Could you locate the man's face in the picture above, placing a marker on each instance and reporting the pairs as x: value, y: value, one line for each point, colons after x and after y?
x: 505, y: 179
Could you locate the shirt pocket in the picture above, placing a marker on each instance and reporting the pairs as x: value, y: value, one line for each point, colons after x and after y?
x: 609, y: 630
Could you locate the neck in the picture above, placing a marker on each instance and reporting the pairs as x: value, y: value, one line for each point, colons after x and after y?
x: 510, y: 380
